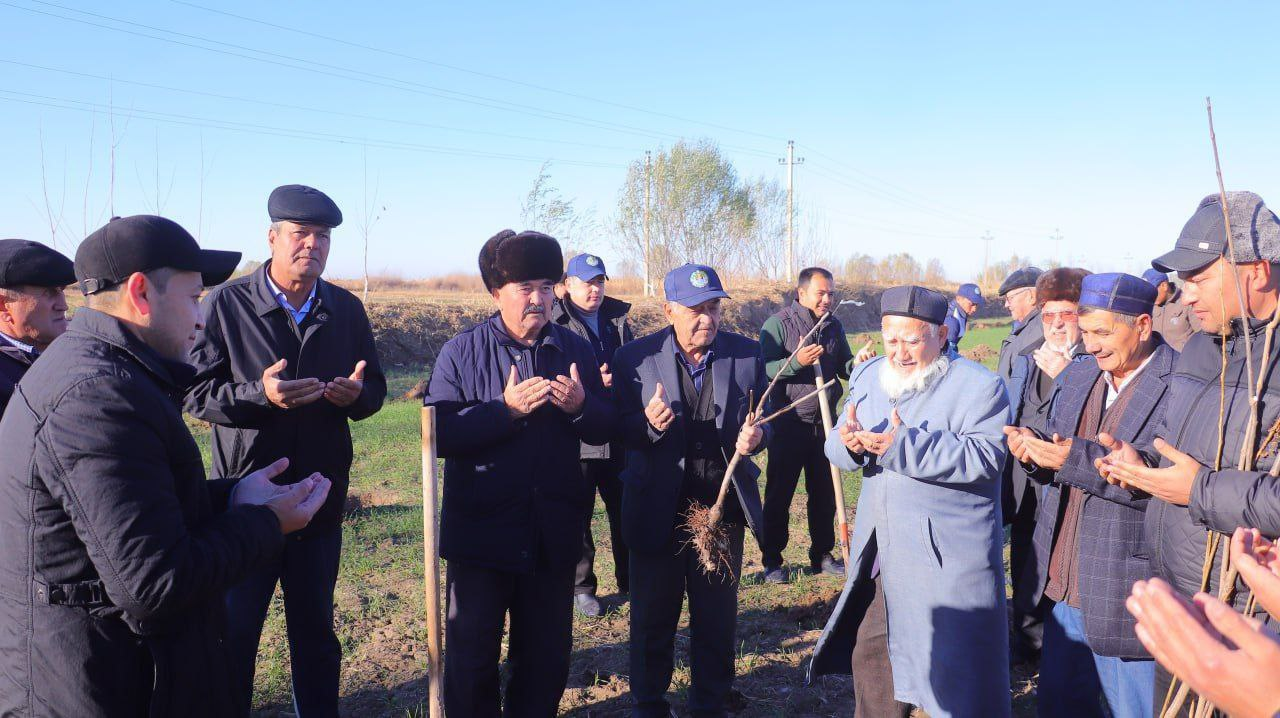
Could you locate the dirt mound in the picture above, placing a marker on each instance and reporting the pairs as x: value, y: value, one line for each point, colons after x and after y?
x: 979, y: 353
x: 409, y: 328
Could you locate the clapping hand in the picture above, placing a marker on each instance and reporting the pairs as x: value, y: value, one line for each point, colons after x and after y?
x: 567, y: 393
x: 289, y: 394
x: 879, y: 443
x: 344, y: 390
x: 849, y: 430
x: 525, y: 397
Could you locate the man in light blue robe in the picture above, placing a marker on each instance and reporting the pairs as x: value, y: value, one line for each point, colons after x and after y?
x: 922, y: 619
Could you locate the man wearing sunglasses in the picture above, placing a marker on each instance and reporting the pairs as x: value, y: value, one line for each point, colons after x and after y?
x: 1031, y: 385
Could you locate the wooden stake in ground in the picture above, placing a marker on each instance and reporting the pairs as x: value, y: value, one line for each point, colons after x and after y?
x: 841, y: 519
x: 431, y: 561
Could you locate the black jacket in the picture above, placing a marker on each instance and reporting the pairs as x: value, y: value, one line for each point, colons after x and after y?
x: 14, y: 362
x: 778, y: 338
x: 246, y: 330
x: 114, y: 549
x: 617, y: 331
x: 514, y: 494
x: 1220, y: 500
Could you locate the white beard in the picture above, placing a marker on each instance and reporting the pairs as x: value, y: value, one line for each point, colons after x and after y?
x: 896, y: 384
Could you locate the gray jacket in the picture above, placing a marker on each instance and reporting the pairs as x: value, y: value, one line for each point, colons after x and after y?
x: 1175, y: 322
x: 1020, y: 337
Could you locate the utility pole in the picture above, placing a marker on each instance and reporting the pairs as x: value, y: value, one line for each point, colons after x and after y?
x: 987, y: 239
x: 1057, y: 237
x: 648, y: 180
x: 791, y: 161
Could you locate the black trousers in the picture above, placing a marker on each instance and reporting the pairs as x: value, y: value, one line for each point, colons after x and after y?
x: 1027, y: 629
x: 797, y: 446
x: 307, y: 571
x: 541, y: 608
x: 659, y: 584
x: 872, y: 672
x: 602, y: 476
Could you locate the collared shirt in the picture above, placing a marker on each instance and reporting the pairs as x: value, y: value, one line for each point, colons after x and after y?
x: 1114, y: 389
x: 24, y: 347
x: 695, y: 372
x: 298, y: 314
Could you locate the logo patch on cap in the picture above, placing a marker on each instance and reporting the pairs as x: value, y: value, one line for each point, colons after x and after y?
x: 593, y: 260
x: 1204, y: 245
x: 699, y: 279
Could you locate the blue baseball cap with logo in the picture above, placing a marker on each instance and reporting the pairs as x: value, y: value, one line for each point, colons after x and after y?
x: 693, y: 284
x: 972, y: 293
x: 586, y: 267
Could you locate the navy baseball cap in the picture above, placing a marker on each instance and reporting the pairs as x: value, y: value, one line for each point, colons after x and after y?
x: 1155, y: 277
x: 1119, y: 293
x: 142, y: 243
x: 693, y: 284
x: 586, y: 267
x: 972, y: 293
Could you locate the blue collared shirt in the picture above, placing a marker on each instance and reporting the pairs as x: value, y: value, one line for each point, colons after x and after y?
x: 298, y: 314
x: 695, y: 372
x: 29, y: 349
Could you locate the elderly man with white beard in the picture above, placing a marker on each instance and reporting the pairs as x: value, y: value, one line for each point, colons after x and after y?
x: 921, y: 620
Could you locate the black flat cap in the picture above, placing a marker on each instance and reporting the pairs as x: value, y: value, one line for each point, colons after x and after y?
x: 914, y: 302
x: 304, y: 205
x: 1019, y: 279
x: 142, y: 243
x: 24, y: 263
x: 509, y: 257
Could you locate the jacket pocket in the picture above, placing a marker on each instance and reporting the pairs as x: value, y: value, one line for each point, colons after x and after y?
x: 931, y: 541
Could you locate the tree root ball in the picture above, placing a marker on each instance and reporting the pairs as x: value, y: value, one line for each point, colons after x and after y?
x: 708, y: 538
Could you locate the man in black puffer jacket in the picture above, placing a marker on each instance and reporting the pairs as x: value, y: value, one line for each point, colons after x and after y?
x: 114, y: 549
x: 1191, y: 498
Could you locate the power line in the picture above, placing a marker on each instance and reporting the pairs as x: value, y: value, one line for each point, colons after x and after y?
x: 476, y: 73
x: 925, y: 209
x: 351, y: 74
x: 320, y: 110
x: 266, y: 130
x: 913, y: 198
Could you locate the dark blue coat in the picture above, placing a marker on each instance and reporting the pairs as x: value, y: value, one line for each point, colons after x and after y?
x: 1220, y: 500
x: 14, y: 362
x: 616, y: 332
x: 655, y: 460
x: 513, y: 487
x: 1113, y: 550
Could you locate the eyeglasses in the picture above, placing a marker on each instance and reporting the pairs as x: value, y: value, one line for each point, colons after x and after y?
x: 1053, y: 317
x: 1008, y: 298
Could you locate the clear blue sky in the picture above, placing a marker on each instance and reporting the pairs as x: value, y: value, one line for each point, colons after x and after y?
x: 922, y: 124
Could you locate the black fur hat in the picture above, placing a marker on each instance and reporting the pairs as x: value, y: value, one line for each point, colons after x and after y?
x: 510, y: 257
